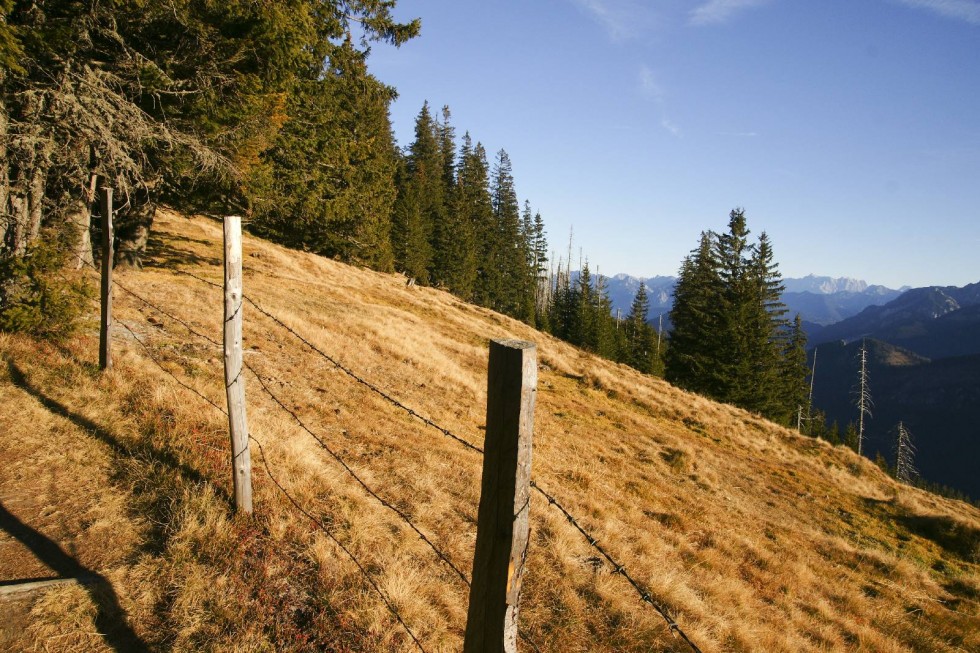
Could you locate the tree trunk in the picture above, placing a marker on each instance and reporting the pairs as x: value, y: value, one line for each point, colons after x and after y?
x: 6, y: 214
x: 80, y: 217
x: 133, y: 231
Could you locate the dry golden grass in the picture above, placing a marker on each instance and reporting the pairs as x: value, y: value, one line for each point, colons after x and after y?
x: 759, y: 539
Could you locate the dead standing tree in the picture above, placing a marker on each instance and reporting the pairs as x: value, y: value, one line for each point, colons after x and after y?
x: 863, y: 401
x: 905, y: 470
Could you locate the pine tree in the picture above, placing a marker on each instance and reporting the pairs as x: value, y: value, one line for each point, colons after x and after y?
x: 468, y: 195
x: 764, y: 387
x: 329, y: 180
x: 420, y: 210
x: 479, y: 207
x: 509, y: 252
x: 793, y: 373
x: 693, y: 354
x: 450, y: 231
x: 639, y: 337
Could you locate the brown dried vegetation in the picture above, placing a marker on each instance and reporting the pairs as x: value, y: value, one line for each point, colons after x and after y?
x: 759, y: 539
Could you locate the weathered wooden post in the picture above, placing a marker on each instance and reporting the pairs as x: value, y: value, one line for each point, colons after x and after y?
x: 503, y: 532
x: 241, y: 460
x: 105, y: 326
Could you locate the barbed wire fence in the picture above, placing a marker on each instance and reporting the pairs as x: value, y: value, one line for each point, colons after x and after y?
x: 265, y: 382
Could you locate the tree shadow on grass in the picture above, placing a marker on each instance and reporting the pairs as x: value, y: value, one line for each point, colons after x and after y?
x: 954, y: 537
x: 167, y: 253
x: 153, y: 495
x: 110, y: 618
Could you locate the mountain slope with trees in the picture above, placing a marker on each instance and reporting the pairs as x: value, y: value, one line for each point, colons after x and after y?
x: 757, y: 538
x: 935, y: 322
x: 935, y: 399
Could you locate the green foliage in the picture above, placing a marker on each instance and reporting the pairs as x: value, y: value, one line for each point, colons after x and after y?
x: 730, y: 340
x: 37, y: 294
x: 327, y: 184
x: 640, y: 339
x: 182, y: 100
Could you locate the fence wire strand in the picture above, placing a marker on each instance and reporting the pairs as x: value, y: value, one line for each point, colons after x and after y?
x: 319, y: 523
x: 618, y: 568
x: 644, y: 594
x: 346, y: 370
x: 384, y: 502
x: 323, y: 527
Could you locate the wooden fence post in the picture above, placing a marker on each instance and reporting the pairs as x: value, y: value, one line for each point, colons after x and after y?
x: 503, y: 532
x: 241, y: 460
x: 105, y: 326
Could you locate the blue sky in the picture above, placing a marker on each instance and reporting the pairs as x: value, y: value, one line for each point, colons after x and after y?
x: 848, y: 130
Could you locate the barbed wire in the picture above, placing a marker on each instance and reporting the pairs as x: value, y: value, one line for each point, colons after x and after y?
x: 644, y: 594
x: 619, y: 568
x: 384, y: 502
x: 319, y: 523
x: 387, y: 601
x: 363, y: 381
x: 525, y: 637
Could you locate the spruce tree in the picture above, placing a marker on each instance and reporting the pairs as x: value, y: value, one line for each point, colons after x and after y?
x: 639, y: 338
x: 766, y: 332
x: 461, y: 251
x: 475, y: 187
x: 421, y: 203
x: 794, y: 372
x: 329, y: 181
x: 509, y: 252
x: 693, y: 353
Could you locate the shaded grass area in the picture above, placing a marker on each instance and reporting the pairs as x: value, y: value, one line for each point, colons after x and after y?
x: 198, y: 578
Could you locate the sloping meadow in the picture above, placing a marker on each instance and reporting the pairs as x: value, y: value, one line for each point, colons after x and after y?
x: 757, y: 539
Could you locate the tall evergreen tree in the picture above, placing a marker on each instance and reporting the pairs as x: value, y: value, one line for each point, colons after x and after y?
x: 639, y: 336
x: 329, y: 181
x: 541, y: 281
x: 421, y: 203
x: 730, y: 339
x: 475, y: 187
x: 794, y: 396
x: 509, y: 255
x: 696, y: 325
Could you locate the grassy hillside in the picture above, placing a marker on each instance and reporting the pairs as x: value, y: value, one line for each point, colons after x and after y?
x: 758, y: 539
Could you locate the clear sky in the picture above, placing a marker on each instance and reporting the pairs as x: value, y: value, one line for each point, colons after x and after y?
x: 849, y: 130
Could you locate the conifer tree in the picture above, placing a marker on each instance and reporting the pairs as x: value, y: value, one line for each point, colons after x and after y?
x: 693, y: 353
x: 905, y: 471
x: 639, y: 337
x: 328, y: 183
x: 475, y: 187
x: 463, y: 218
x: 542, y: 285
x: 509, y: 252
x: 766, y: 331
x: 421, y: 202
x: 793, y: 373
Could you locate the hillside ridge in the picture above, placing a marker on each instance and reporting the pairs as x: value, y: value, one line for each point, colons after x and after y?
x: 755, y: 537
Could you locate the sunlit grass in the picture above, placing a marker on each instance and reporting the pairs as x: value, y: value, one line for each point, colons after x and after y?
x: 758, y: 539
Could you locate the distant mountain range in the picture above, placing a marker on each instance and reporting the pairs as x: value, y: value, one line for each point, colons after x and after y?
x: 935, y: 322
x: 820, y: 301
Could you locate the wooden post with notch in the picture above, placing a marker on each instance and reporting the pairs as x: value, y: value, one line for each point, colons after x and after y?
x: 503, y: 532
x: 105, y: 325
x: 241, y: 460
